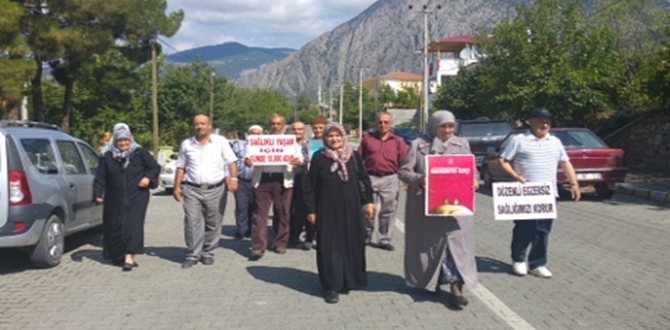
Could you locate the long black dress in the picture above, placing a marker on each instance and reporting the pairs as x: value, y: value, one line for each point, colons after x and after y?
x: 125, y: 203
x: 340, y: 226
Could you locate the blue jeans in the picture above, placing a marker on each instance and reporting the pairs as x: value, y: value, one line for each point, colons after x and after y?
x: 534, y: 233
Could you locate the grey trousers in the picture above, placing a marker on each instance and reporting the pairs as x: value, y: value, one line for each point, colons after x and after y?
x: 203, y: 215
x: 386, y: 191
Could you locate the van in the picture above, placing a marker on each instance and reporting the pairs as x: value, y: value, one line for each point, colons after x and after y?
x: 46, y: 189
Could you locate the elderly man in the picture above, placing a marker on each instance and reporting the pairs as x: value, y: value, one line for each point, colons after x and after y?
x: 298, y: 212
x: 205, y: 168
x: 533, y: 156
x: 273, y: 186
x: 244, y: 196
x: 382, y: 153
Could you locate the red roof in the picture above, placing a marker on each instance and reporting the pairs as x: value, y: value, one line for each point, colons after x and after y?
x: 451, y: 44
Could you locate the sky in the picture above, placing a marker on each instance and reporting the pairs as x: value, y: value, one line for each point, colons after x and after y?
x: 262, y: 23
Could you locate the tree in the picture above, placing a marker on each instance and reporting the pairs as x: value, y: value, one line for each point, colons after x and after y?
x: 549, y: 55
x: 462, y: 95
x: 350, y: 106
x: 15, y: 70
x: 408, y: 97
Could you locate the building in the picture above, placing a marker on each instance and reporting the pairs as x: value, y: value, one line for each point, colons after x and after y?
x: 396, y: 80
x: 450, y: 55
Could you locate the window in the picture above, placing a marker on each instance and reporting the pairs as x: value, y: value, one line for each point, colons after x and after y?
x: 41, y: 155
x: 71, y: 160
x: 90, y: 157
x: 578, y: 139
x: 484, y: 129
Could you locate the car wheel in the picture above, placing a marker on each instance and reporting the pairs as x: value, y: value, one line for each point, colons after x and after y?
x: 603, y: 190
x: 486, y: 177
x: 49, y: 249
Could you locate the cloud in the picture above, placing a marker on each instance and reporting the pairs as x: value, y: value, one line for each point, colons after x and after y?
x: 267, y: 23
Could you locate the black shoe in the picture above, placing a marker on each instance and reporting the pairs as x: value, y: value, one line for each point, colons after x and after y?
x: 386, y: 246
x: 458, y: 300
x: 188, y: 263
x: 127, y: 267
x: 331, y: 297
x: 255, y: 255
x: 239, y: 236
x: 118, y: 262
x: 207, y: 260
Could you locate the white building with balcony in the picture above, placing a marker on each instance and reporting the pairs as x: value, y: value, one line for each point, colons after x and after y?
x: 450, y: 55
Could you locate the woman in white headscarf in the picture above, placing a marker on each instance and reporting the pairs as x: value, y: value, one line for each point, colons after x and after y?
x: 123, y: 179
x: 438, y: 250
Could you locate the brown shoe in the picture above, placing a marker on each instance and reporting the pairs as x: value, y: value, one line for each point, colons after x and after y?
x: 256, y: 254
x: 280, y: 250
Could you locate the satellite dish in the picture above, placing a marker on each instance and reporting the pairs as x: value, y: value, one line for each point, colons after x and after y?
x: 474, y: 51
x: 465, y: 53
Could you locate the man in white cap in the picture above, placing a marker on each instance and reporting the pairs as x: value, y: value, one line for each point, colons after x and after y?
x: 244, y: 196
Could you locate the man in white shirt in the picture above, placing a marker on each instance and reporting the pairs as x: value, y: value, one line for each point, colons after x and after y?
x: 533, y: 156
x: 273, y: 186
x: 205, y: 168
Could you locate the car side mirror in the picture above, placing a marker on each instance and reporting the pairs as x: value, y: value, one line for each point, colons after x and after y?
x: 173, y: 156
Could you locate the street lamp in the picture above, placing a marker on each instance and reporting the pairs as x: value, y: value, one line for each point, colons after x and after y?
x: 423, y: 116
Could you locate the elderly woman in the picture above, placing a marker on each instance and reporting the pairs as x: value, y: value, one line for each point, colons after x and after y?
x: 338, y: 194
x: 124, y: 177
x: 438, y: 250
x: 110, y: 142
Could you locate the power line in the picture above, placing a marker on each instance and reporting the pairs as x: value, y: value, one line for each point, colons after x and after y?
x: 177, y: 51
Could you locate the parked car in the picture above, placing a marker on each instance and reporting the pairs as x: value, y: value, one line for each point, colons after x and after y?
x: 166, y: 177
x: 594, y: 161
x: 482, y: 134
x: 46, y: 189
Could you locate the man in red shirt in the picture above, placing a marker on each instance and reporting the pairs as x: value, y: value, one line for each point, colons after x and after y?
x: 382, y: 153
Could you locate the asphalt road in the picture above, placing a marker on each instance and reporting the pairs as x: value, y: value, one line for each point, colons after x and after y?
x: 609, y: 259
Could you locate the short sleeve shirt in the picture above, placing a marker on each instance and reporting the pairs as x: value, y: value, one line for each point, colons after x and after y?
x: 205, y: 164
x: 536, y: 160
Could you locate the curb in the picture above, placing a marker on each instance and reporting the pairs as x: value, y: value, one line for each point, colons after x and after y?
x: 658, y: 196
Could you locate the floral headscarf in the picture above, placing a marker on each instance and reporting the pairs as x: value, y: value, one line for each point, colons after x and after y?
x: 340, y: 156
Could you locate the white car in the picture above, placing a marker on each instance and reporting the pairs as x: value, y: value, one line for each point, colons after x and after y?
x: 167, y: 176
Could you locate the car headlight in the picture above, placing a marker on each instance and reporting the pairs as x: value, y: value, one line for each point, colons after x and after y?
x: 167, y: 170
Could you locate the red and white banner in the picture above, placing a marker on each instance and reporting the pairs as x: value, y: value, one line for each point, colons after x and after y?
x: 272, y: 149
x: 449, y: 180
x: 524, y: 201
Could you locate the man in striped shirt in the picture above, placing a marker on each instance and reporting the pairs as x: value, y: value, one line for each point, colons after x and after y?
x: 534, y: 156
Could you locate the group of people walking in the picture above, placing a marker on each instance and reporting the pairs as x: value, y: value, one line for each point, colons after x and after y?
x: 330, y: 194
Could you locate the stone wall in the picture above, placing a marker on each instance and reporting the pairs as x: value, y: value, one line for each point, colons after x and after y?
x: 646, y: 142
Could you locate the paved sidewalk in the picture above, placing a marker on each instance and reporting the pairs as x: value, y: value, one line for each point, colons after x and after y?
x: 652, y: 186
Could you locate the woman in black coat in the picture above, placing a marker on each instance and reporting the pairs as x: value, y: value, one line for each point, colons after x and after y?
x: 124, y: 177
x: 338, y: 196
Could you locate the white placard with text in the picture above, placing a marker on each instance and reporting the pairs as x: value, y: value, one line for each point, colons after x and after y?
x: 272, y: 149
x: 524, y: 201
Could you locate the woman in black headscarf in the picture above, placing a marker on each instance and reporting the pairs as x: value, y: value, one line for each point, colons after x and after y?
x: 438, y: 250
x: 124, y: 176
x: 335, y: 189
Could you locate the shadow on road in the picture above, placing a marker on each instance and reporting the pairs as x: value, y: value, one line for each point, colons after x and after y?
x: 170, y: 253
x: 488, y: 265
x: 294, y: 279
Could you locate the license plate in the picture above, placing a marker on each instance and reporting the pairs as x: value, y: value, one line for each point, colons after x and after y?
x: 589, y: 176
x: 479, y: 160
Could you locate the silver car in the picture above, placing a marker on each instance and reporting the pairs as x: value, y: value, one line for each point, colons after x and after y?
x: 47, y: 177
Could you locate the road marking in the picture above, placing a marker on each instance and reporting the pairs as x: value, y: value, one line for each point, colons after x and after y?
x: 490, y: 300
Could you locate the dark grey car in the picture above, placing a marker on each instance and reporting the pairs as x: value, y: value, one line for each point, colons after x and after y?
x: 48, y: 195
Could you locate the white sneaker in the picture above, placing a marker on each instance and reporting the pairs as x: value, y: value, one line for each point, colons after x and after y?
x: 520, y: 268
x: 541, y: 271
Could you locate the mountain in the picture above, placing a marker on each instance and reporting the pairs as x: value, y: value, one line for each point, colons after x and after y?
x: 231, y: 58
x: 381, y: 39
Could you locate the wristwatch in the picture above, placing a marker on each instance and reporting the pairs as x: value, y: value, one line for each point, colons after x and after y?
x: 233, y: 179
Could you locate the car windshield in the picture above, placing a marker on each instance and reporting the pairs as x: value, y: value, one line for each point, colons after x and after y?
x: 484, y: 129
x: 578, y: 139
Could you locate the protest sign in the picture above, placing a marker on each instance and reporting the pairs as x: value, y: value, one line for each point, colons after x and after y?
x: 272, y: 149
x: 314, y: 146
x: 449, y: 181
x: 524, y: 201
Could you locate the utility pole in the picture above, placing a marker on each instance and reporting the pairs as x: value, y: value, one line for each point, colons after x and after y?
x: 360, y: 103
x: 211, y: 97
x: 341, y: 102
x: 423, y: 115
x: 154, y: 93
x: 330, y: 103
